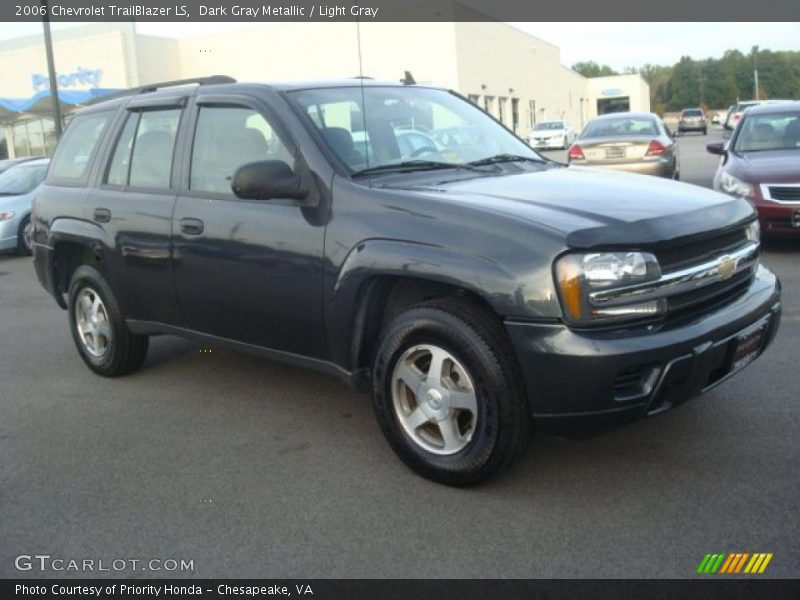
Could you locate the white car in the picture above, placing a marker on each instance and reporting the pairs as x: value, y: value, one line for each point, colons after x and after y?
x: 551, y: 134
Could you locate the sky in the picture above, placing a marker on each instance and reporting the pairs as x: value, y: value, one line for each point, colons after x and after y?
x: 604, y: 43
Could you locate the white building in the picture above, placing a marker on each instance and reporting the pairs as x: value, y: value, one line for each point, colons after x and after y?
x: 515, y: 76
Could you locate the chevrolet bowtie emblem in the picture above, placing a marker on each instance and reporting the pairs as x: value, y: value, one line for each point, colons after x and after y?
x: 727, y: 266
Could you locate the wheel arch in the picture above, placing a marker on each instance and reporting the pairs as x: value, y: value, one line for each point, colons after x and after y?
x: 381, y: 278
x: 74, y: 243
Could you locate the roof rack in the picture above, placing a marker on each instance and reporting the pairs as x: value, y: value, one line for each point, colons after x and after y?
x: 212, y: 80
x: 153, y: 87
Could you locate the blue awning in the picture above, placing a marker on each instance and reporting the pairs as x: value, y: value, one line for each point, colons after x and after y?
x: 14, y: 109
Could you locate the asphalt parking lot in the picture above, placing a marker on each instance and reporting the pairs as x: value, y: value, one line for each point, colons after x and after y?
x: 252, y: 468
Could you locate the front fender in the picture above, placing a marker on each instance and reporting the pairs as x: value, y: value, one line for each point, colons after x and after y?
x: 371, y: 258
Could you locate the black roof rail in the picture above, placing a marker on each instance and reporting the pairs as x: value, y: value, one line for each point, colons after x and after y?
x: 211, y: 80
x: 153, y: 87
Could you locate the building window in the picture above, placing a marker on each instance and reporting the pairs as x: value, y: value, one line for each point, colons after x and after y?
x: 514, y: 114
x: 488, y: 104
x: 474, y: 98
x: 501, y: 110
x: 532, y: 113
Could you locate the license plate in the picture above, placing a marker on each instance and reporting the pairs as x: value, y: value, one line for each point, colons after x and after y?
x: 796, y: 218
x: 748, y: 345
x: 615, y: 152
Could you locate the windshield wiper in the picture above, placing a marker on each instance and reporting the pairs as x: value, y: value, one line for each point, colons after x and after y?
x: 503, y: 158
x: 414, y: 165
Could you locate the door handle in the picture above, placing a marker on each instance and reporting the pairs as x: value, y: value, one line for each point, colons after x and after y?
x: 192, y: 226
x: 102, y: 215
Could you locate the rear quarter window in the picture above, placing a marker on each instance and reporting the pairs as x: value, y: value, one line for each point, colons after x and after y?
x: 77, y: 148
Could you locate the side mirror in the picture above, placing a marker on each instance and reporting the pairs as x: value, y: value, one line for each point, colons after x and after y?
x: 267, y: 179
x: 717, y: 148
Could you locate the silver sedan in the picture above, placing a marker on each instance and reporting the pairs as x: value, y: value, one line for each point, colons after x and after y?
x: 636, y: 142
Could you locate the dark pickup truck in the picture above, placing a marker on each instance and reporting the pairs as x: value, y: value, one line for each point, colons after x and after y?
x: 400, y: 238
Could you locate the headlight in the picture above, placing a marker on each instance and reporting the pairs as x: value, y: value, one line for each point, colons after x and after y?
x: 734, y: 186
x: 5, y: 216
x: 754, y: 231
x: 578, y: 275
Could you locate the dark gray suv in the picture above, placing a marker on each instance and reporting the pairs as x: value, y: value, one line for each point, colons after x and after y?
x: 475, y: 288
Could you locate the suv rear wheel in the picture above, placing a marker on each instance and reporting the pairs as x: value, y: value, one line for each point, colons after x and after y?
x: 447, y: 393
x: 103, y: 339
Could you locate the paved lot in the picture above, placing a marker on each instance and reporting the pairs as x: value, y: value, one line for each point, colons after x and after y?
x: 252, y: 468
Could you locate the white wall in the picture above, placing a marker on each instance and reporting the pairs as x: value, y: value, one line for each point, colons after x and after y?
x: 632, y: 86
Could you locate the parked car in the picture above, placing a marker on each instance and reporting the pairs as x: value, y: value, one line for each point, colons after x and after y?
x: 636, y: 142
x: 17, y: 188
x: 551, y: 134
x: 736, y: 112
x: 7, y: 163
x: 473, y: 297
x: 692, y: 119
x: 761, y: 162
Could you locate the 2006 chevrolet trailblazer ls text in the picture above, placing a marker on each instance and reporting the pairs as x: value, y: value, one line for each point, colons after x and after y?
x: 401, y: 238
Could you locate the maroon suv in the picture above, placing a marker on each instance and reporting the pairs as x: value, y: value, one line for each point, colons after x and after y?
x: 761, y: 162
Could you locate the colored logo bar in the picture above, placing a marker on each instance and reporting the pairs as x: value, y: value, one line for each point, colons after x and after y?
x: 733, y: 563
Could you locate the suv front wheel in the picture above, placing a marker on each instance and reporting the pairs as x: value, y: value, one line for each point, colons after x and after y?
x: 447, y: 393
x: 103, y: 339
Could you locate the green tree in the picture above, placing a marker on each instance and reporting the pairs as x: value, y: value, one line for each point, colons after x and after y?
x: 592, y: 69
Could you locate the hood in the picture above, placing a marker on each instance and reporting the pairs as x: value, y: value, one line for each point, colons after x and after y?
x: 601, y: 208
x: 17, y: 199
x: 770, y: 166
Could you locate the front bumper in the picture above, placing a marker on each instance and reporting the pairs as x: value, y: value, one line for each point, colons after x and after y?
x: 573, y: 377
x: 778, y: 219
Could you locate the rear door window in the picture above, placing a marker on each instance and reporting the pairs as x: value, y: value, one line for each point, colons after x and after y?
x: 77, y: 148
x: 153, y: 148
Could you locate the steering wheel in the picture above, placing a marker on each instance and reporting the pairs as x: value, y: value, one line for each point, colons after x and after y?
x: 423, y: 150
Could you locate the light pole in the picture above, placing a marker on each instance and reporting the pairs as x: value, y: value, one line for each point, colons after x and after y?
x: 755, y: 69
x: 51, y: 69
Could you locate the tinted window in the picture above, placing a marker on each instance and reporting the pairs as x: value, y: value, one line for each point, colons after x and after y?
x: 225, y: 139
x: 75, y: 150
x: 117, y: 173
x: 692, y: 112
x: 151, y: 162
x: 549, y: 125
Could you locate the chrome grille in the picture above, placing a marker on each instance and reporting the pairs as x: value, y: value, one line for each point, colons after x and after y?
x: 784, y: 193
x: 719, y: 276
x: 692, y: 253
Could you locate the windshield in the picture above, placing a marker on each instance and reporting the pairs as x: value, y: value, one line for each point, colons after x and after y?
x: 377, y: 127
x: 619, y: 126
x: 779, y: 131
x: 549, y: 126
x: 21, y: 179
x: 692, y: 112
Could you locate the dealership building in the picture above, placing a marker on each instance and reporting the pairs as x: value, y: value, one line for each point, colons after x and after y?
x: 515, y: 76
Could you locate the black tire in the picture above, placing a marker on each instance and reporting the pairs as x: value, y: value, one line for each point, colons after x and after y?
x: 23, y: 247
x: 504, y: 422
x: 124, y: 352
